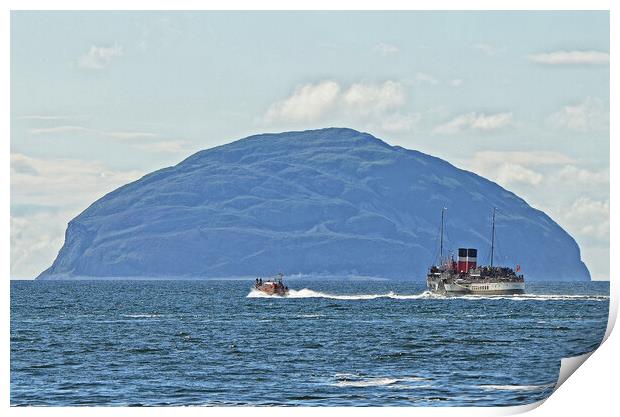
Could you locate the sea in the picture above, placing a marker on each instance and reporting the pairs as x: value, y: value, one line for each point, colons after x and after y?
x: 336, y: 342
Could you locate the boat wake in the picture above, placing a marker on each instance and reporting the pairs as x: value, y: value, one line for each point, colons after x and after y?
x: 308, y: 293
x: 541, y: 387
x: 536, y: 297
x: 352, y: 380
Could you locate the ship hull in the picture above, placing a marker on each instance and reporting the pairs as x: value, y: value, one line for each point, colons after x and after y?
x: 271, y: 288
x: 491, y: 288
x: 487, y: 287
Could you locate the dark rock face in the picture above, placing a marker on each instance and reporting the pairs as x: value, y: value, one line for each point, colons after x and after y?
x: 330, y: 201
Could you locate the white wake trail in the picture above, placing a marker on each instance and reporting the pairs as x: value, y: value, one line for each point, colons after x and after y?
x: 350, y: 380
x: 536, y: 297
x: 517, y: 387
x: 308, y: 293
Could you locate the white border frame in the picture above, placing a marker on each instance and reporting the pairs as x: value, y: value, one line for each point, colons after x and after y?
x: 592, y: 388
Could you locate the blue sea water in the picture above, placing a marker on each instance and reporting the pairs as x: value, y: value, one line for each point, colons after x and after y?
x: 331, y: 343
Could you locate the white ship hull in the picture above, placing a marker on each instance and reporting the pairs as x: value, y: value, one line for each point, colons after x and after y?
x: 490, y: 288
x: 448, y: 286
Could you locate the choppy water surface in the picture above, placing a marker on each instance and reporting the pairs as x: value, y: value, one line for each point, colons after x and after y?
x: 328, y: 343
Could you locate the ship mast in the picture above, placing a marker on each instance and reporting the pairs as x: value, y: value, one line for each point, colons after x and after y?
x: 443, y: 209
x: 493, y: 236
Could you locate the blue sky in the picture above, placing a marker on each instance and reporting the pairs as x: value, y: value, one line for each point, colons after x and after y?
x: 100, y: 98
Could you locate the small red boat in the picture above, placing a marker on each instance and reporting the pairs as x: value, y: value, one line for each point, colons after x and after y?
x: 272, y: 286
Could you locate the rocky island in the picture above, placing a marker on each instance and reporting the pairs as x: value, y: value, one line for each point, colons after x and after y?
x: 332, y: 201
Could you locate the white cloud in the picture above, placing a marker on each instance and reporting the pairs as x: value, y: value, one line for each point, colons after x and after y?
x: 170, y: 146
x: 522, y: 157
x: 575, y: 196
x: 147, y: 141
x: 475, y: 122
x: 398, y: 122
x: 597, y: 258
x: 457, y: 82
x: 62, y: 182
x: 571, y: 174
x: 487, y: 49
x: 570, y: 58
x: 423, y: 78
x: 130, y: 135
x: 72, y: 129
x: 385, y: 49
x: 45, y: 195
x: 508, y: 173
x: 590, y: 115
x: 550, y: 170
x: 363, y: 99
x: 587, y: 207
x: 99, y: 57
x: 589, y: 218
x: 313, y: 102
x: 35, y: 241
x: 58, y: 129
x: 515, y: 167
x: 307, y: 103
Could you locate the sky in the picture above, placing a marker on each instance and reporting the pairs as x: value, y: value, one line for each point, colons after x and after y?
x: 99, y: 99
